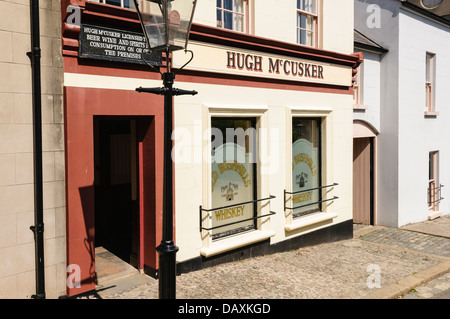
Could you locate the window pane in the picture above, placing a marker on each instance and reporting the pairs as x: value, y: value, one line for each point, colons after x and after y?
x: 239, y: 19
x: 310, y: 23
x: 428, y: 68
x: 228, y: 4
x: 219, y: 18
x: 301, y: 21
x: 431, y: 166
x: 307, y: 5
x: 309, y: 38
x: 305, y: 165
x: 303, y: 34
x: 113, y: 2
x: 219, y: 3
x: 239, y: 6
x: 232, y: 175
x: 228, y: 20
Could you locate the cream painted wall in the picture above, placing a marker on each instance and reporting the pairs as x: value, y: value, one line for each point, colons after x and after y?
x: 17, y: 255
x: 276, y: 19
x: 337, y: 27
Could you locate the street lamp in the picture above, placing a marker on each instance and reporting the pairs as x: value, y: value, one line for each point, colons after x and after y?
x: 166, y: 25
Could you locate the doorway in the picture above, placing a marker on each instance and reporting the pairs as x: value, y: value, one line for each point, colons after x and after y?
x: 115, y: 196
x: 363, y: 180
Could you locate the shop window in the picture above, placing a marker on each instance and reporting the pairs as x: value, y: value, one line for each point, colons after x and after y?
x: 307, y: 22
x: 306, y: 168
x: 430, y: 84
x: 233, y: 175
x: 232, y: 15
x: 120, y: 3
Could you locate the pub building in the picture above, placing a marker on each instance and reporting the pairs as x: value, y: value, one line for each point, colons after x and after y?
x: 262, y: 154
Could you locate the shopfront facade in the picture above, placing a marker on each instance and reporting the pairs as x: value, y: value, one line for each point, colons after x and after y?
x: 262, y: 154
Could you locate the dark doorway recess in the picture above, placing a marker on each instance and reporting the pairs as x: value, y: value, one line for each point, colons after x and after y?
x: 116, y: 187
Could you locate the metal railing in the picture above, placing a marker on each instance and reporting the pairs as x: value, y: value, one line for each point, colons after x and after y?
x: 434, y: 194
x: 234, y: 205
x: 308, y: 190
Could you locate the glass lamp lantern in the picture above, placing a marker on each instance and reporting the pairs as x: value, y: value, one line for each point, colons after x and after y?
x: 166, y: 23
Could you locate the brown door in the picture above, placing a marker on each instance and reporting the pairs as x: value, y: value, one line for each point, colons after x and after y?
x: 362, y: 180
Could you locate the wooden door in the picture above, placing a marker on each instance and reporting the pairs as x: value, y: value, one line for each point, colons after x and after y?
x: 362, y: 180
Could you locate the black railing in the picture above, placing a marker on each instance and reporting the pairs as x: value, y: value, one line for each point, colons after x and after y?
x: 434, y: 195
x: 308, y: 190
x: 234, y: 205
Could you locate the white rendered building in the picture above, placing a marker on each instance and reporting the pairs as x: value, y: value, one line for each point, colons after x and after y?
x: 412, y: 117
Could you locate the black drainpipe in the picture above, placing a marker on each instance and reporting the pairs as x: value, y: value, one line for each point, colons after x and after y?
x: 38, y: 228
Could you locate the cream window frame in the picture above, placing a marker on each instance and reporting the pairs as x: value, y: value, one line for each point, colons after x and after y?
x: 326, y: 214
x: 263, y: 231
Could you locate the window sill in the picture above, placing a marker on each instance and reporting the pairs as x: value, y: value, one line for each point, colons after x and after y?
x: 431, y: 113
x: 235, y: 242
x: 360, y: 107
x: 433, y: 214
x: 309, y: 220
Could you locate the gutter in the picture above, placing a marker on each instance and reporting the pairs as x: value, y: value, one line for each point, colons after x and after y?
x: 425, y: 13
x: 38, y: 228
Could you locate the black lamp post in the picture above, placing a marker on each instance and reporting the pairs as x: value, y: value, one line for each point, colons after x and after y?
x: 166, y: 25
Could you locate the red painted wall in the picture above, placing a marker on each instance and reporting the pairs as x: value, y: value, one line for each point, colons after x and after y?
x: 81, y: 105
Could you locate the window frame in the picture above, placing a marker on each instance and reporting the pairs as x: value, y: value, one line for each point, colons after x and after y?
x: 327, y: 214
x: 358, y: 88
x: 430, y: 84
x: 244, y: 14
x: 315, y: 20
x: 264, y: 231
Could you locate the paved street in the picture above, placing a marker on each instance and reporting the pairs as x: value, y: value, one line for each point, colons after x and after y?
x: 378, y: 263
x: 438, y: 288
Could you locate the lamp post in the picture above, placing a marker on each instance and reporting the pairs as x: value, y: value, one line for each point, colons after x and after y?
x: 166, y: 25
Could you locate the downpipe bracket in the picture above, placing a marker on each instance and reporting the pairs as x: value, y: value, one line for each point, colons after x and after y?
x: 37, y: 229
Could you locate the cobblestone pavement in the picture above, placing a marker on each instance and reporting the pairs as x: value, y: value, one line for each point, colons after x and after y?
x: 410, y: 240
x: 339, y: 270
x: 431, y: 290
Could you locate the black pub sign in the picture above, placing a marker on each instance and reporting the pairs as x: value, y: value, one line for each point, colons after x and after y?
x: 97, y: 42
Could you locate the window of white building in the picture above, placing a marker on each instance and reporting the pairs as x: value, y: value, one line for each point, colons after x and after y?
x: 434, y: 187
x: 430, y: 85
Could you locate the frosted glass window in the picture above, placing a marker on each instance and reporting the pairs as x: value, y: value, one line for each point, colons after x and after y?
x: 305, y: 166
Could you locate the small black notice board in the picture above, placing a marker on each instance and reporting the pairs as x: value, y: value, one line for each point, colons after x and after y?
x: 98, y: 42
